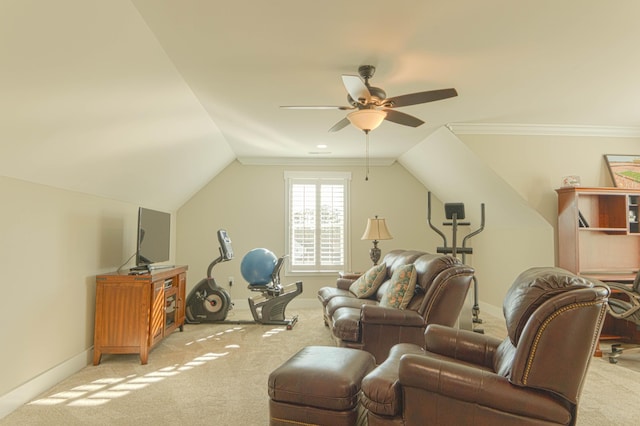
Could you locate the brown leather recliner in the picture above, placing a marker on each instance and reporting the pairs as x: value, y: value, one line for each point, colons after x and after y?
x: 442, y: 285
x: 533, y: 377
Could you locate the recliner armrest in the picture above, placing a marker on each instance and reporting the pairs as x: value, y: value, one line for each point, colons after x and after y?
x: 376, y: 314
x: 479, y: 387
x: 464, y: 345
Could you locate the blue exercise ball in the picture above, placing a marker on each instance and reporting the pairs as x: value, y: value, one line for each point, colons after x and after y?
x: 258, y: 265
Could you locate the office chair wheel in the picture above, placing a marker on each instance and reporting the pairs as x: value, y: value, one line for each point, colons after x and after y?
x: 616, y: 350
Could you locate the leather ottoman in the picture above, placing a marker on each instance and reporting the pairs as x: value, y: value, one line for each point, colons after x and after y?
x: 319, y: 385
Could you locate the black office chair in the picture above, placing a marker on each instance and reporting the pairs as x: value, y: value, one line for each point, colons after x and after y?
x: 624, y: 305
x: 627, y: 307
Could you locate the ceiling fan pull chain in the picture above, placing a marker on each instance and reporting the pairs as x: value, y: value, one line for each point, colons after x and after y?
x: 366, y: 178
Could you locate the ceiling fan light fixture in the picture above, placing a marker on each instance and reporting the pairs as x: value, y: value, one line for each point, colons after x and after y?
x: 366, y: 119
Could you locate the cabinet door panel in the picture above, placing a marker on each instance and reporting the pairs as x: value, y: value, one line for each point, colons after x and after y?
x: 157, y: 313
x: 123, y: 308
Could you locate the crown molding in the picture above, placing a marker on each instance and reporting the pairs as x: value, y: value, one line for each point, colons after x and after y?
x: 543, y: 130
x: 301, y: 161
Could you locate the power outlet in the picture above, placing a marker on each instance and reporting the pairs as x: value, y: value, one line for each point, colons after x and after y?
x: 230, y: 281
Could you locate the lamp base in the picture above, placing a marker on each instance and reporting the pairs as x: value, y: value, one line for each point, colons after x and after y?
x: 374, y: 253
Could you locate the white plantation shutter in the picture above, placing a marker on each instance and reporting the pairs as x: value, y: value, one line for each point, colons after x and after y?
x: 317, y: 221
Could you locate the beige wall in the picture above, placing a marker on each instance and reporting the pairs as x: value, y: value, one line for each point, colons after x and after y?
x: 248, y: 201
x: 52, y: 244
x: 534, y: 166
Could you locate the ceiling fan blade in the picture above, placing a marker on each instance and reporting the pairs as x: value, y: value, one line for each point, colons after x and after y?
x: 340, y: 125
x: 356, y: 89
x: 402, y: 118
x: 420, y: 97
x: 342, y: 108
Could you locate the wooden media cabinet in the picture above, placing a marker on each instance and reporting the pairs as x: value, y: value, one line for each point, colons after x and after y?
x: 135, y: 312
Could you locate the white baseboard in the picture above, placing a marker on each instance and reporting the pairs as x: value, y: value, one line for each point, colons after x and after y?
x: 492, y: 310
x: 39, y: 384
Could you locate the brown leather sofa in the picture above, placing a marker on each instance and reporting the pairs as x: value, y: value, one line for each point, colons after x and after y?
x: 441, y: 288
x: 532, y: 377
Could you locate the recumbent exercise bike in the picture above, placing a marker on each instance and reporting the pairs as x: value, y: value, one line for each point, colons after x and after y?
x: 210, y: 303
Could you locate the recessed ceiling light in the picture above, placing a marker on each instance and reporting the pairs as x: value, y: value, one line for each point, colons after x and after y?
x: 321, y: 146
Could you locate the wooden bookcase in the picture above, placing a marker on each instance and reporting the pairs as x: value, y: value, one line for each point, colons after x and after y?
x: 135, y: 312
x: 598, y: 232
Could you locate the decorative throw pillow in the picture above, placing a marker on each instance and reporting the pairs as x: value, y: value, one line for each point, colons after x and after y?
x: 401, y: 287
x: 368, y: 283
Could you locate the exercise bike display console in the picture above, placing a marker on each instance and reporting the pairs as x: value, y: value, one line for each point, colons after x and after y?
x: 208, y: 302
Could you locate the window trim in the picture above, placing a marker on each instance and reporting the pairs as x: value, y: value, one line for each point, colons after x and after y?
x: 344, y: 177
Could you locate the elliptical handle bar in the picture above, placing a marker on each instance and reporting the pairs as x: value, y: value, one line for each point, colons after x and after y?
x: 477, y: 231
x: 439, y: 232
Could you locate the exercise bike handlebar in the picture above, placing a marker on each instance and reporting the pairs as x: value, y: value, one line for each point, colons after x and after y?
x: 219, y: 259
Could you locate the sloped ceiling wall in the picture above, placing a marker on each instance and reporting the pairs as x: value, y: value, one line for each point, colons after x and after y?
x: 91, y: 103
x: 445, y: 165
x: 515, y: 237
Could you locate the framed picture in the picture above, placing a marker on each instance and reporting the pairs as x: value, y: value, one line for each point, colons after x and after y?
x: 624, y: 169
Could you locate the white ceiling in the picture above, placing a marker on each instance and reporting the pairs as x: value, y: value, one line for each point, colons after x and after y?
x: 118, y: 98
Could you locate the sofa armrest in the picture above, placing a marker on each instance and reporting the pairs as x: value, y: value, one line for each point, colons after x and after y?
x: 344, y: 283
x: 428, y: 376
x: 350, y: 275
x: 376, y: 314
x: 464, y: 345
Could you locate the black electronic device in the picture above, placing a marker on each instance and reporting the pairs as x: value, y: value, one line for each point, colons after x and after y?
x: 225, y: 244
x: 153, y: 237
x: 454, y: 208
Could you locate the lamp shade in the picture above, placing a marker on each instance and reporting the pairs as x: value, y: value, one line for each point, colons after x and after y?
x: 366, y: 119
x: 376, y: 230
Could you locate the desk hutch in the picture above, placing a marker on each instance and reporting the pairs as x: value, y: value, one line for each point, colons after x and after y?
x: 599, y: 237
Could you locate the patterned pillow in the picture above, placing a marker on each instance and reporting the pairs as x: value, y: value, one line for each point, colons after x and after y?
x: 368, y: 283
x: 401, y: 287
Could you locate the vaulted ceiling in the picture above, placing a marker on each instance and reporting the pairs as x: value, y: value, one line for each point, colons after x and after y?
x: 146, y: 100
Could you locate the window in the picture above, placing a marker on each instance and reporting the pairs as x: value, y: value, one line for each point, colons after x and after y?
x: 317, y: 206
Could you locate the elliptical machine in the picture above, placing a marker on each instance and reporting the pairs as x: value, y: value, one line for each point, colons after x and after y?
x: 455, y: 212
x: 207, y: 301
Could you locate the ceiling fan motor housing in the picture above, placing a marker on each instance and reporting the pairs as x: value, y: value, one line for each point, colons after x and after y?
x: 366, y: 71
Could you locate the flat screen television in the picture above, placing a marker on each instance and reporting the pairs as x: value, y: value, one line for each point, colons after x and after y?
x: 154, y: 237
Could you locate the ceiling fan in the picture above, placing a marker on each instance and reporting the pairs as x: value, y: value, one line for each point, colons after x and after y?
x: 371, y: 105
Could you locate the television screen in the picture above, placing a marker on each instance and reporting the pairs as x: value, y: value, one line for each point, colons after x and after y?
x: 154, y: 237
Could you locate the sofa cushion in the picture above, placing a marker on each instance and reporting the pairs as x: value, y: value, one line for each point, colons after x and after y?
x: 401, y: 288
x: 367, y: 284
x: 346, y: 301
x: 325, y: 294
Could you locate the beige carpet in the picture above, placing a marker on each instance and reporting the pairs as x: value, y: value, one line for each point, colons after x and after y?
x: 216, y: 374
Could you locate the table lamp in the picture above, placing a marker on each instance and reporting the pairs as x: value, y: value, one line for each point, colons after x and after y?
x: 376, y: 230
